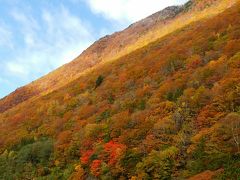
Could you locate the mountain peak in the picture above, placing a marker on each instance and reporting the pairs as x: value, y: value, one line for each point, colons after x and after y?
x: 167, y: 13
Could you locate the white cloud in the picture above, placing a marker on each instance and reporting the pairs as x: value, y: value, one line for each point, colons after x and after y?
x: 55, y: 38
x: 16, y: 68
x: 36, y: 40
x: 28, y: 26
x: 5, y: 35
x: 129, y: 11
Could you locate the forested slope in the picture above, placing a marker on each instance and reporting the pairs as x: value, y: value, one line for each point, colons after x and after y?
x: 121, y: 43
x: 169, y: 110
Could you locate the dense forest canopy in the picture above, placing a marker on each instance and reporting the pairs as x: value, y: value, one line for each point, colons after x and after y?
x: 169, y: 110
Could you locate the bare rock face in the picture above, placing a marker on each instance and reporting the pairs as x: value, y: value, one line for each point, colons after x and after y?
x: 169, y: 12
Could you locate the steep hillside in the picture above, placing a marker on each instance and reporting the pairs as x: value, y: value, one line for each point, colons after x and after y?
x: 168, y: 110
x: 117, y: 45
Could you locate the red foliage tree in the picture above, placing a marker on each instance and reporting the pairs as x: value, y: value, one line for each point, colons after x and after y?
x: 86, y: 157
x: 115, y: 150
x: 96, y: 167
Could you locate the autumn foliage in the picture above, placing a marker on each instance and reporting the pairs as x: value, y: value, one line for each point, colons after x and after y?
x: 168, y: 110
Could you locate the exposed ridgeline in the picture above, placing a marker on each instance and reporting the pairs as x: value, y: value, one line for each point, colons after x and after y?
x: 118, y: 44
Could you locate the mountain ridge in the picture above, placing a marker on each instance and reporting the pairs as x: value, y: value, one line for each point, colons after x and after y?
x: 99, y: 53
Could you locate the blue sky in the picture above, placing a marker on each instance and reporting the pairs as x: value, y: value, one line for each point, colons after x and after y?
x: 37, y: 36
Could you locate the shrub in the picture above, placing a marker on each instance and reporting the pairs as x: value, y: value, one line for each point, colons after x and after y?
x: 111, y: 99
x: 99, y: 81
x: 30, y: 159
x: 130, y: 159
x: 197, y: 164
x: 104, y: 115
x: 174, y: 63
x: 142, y: 105
x: 158, y: 164
x: 38, y: 152
x: 231, y: 168
x: 174, y: 95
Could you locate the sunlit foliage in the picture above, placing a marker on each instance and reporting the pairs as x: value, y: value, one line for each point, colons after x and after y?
x: 168, y: 110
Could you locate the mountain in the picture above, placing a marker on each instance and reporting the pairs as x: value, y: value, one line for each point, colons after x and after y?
x: 159, y: 100
x: 117, y: 45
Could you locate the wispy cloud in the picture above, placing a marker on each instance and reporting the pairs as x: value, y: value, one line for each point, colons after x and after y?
x: 16, y: 68
x: 58, y: 39
x: 5, y: 35
x: 35, y: 40
x: 28, y: 26
x: 39, y: 36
